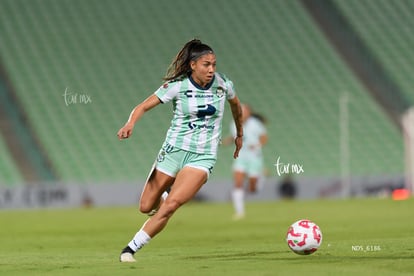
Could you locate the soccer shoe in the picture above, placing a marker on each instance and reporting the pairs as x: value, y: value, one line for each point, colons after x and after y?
x: 127, y: 258
x: 238, y: 217
x: 127, y: 255
x: 153, y: 212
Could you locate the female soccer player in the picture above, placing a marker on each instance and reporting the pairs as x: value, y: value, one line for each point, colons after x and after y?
x: 250, y: 163
x: 198, y: 94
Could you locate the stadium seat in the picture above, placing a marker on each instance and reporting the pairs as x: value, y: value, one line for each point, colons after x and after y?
x: 116, y: 52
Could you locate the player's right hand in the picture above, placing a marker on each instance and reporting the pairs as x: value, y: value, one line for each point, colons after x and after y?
x: 125, y: 132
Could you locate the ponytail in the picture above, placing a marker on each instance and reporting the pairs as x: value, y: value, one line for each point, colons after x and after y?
x: 191, y: 51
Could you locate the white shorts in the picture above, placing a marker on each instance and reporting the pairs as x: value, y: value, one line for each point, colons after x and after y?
x: 253, y: 167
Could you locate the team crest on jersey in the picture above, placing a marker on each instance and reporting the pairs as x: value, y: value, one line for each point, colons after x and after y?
x: 165, y: 86
x: 220, y: 92
x: 166, y: 148
x: 161, y: 156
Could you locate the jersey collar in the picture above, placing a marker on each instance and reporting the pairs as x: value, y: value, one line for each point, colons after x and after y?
x: 199, y: 86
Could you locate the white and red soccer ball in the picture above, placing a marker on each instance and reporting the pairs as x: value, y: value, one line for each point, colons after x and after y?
x: 304, y: 237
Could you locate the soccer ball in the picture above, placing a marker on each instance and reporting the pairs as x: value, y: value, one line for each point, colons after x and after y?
x: 304, y: 237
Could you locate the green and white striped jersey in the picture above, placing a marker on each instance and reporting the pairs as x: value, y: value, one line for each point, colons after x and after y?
x: 198, y: 112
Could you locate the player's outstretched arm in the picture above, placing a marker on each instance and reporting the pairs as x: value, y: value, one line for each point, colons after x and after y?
x: 136, y: 114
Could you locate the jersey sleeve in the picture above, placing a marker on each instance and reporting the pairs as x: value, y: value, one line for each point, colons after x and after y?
x: 231, y: 93
x: 167, y: 92
x: 261, y: 128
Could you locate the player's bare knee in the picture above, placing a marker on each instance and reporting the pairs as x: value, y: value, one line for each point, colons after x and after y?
x: 170, y: 206
x: 143, y: 209
x: 145, y: 206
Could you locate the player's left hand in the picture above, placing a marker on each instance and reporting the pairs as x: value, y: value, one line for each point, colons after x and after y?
x: 239, y: 143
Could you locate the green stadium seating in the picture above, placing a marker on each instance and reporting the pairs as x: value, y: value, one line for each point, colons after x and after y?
x: 116, y: 52
x: 386, y: 27
x: 9, y: 174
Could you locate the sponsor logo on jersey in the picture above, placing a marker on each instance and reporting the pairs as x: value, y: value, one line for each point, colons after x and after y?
x: 194, y: 94
x: 205, y: 110
x: 193, y: 125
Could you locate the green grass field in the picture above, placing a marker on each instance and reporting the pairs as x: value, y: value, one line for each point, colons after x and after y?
x: 360, y: 237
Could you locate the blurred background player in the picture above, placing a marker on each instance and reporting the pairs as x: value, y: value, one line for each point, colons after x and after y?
x: 189, y: 152
x: 250, y: 162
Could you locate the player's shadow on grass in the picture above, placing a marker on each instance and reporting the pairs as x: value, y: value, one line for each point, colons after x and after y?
x: 261, y: 255
x: 281, y: 256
